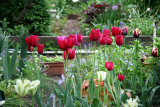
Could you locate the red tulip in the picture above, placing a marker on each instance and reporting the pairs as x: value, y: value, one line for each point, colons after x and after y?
x: 30, y: 48
x: 70, y: 53
x: 124, y: 31
x: 116, y: 31
x: 119, y: 40
x: 107, y: 32
x: 34, y: 40
x: 109, y: 41
x: 121, y: 77
x: 94, y: 35
x: 103, y: 39
x: 28, y: 41
x: 77, y: 43
x: 80, y: 38
x: 70, y: 43
x: 109, y: 66
x: 136, y: 33
x: 72, y: 37
x: 40, y: 48
x: 154, y: 52
x: 62, y: 42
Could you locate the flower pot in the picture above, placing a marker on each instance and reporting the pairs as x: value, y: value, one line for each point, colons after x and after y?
x: 54, y: 68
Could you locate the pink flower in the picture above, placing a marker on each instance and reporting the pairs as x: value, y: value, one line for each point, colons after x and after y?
x: 103, y: 39
x: 80, y: 38
x: 109, y: 41
x: 116, y: 31
x: 40, y: 48
x: 136, y: 33
x: 106, y: 32
x: 62, y: 42
x: 119, y: 40
x: 154, y: 52
x: 70, y: 54
x: 124, y: 31
x: 94, y: 35
x: 121, y: 77
x: 109, y: 66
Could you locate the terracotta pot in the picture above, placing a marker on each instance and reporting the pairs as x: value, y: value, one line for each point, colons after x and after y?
x: 54, y: 68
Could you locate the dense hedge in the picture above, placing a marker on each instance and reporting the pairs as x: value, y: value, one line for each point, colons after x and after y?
x: 33, y: 14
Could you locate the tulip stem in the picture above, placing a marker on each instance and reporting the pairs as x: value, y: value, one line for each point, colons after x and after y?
x: 32, y: 102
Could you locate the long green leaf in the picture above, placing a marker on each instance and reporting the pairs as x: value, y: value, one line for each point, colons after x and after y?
x: 13, y: 62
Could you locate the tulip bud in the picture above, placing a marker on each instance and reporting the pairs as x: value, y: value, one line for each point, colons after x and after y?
x: 136, y: 33
x: 103, y: 39
x: 80, y: 38
x: 34, y: 40
x: 154, y: 52
x: 101, y: 75
x: 124, y: 31
x: 62, y: 42
x: 33, y: 87
x: 2, y: 103
x: 109, y: 41
x: 30, y: 48
x: 121, y: 77
x: 119, y: 40
x: 70, y: 54
x: 116, y: 31
x: 40, y: 48
x: 109, y: 66
x: 95, y: 35
x: 106, y: 32
x: 22, y: 87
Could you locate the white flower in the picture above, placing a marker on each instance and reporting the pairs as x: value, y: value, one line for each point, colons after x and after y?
x: 33, y: 87
x: 75, y: 1
x: 22, y: 87
x: 2, y: 102
x: 101, y: 75
x: 131, y: 103
x: 148, y: 9
x: 130, y: 16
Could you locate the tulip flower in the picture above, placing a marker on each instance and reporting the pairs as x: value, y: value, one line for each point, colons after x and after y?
x: 109, y: 41
x: 109, y: 66
x: 154, y: 52
x: 124, y: 31
x: 33, y: 87
x: 2, y: 103
x: 40, y: 48
x: 103, y: 39
x: 70, y: 53
x: 106, y: 32
x: 71, y: 40
x: 95, y: 35
x: 22, y: 87
x: 77, y: 43
x: 30, y: 48
x: 121, y: 77
x: 28, y: 41
x: 136, y: 33
x: 32, y: 41
x: 101, y: 75
x: 80, y: 38
x: 62, y: 42
x: 116, y: 31
x: 119, y: 40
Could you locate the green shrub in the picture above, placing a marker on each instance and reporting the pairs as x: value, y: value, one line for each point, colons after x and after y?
x: 33, y: 14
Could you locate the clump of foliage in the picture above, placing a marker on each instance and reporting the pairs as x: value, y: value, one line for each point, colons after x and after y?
x: 32, y: 14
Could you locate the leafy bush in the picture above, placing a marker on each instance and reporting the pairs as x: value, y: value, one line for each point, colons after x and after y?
x: 31, y: 13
